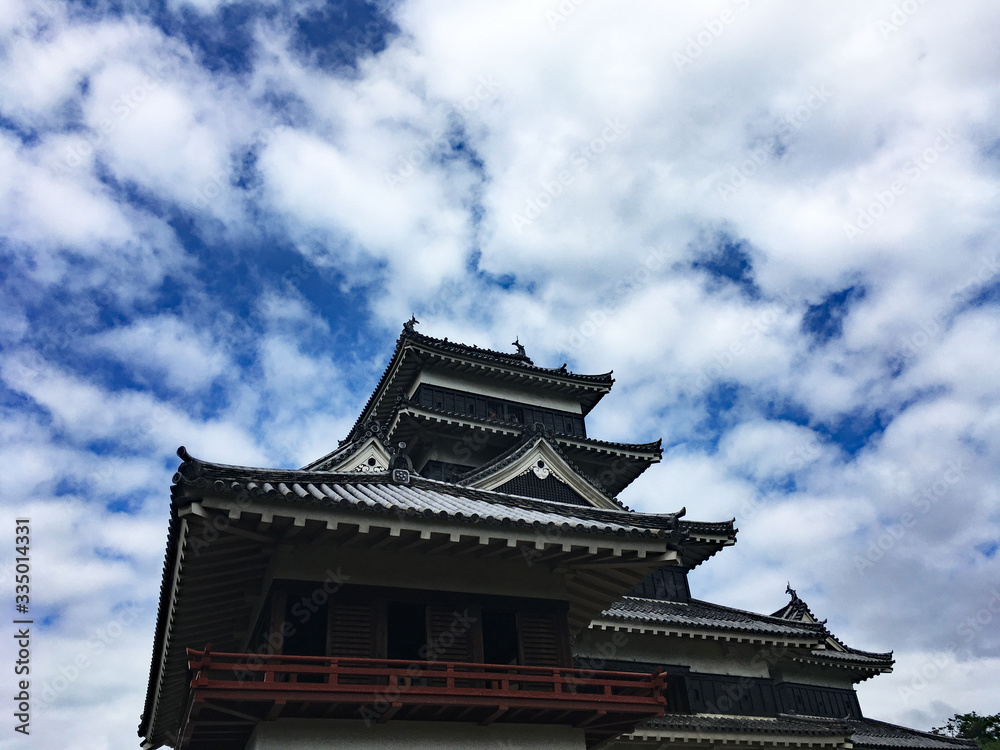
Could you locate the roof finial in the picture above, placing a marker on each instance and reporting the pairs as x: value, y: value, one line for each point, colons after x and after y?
x: 790, y: 591
x: 408, y: 325
x: 520, y: 348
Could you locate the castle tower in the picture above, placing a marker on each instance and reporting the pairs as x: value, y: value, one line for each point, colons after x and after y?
x: 460, y: 573
x: 423, y: 584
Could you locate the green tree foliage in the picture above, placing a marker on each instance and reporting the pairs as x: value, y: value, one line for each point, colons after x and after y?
x: 985, y: 730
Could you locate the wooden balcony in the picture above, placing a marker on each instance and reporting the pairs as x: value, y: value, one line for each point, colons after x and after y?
x: 230, y: 693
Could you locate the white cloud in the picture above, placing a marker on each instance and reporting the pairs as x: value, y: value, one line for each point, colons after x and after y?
x: 183, y: 357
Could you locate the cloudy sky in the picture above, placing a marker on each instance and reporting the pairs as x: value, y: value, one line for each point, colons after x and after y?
x: 777, y: 222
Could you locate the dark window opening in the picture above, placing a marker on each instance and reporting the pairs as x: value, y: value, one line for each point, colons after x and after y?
x: 500, y: 638
x: 305, y: 625
x: 406, y: 631
x: 461, y: 402
x: 443, y: 471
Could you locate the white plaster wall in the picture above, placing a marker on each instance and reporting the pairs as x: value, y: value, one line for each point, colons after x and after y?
x: 492, y: 388
x: 713, y: 657
x: 313, y: 734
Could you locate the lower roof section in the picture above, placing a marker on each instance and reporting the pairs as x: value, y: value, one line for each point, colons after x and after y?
x: 695, y: 616
x: 701, y: 619
x: 880, y: 734
x: 785, y: 730
x: 704, y: 730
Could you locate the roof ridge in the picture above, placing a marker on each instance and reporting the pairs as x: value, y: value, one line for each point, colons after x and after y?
x: 817, y: 624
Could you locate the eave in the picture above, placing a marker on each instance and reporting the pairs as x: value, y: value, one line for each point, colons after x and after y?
x: 701, y: 730
x: 633, y: 459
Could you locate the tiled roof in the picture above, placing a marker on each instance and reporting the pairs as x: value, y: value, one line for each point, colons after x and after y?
x: 879, y: 734
x: 517, y: 360
x: 782, y: 725
x: 866, y: 733
x: 852, y: 656
x: 420, y: 497
x: 797, y: 610
x: 701, y: 615
x: 707, y: 616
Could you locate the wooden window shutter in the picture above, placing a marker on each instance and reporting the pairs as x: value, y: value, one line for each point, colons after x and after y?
x: 350, y: 630
x: 450, y: 633
x: 538, y: 639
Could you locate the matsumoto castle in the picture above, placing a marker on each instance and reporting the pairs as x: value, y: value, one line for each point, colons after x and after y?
x: 461, y: 574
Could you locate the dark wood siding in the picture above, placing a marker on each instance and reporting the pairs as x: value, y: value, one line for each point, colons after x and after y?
x: 550, y: 488
x: 819, y: 701
x: 668, y: 583
x: 724, y: 694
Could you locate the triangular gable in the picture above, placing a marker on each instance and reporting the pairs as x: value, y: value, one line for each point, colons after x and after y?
x: 796, y: 609
x: 533, y: 465
x: 371, y: 456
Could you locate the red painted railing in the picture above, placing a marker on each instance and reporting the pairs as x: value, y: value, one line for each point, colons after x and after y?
x: 349, y: 680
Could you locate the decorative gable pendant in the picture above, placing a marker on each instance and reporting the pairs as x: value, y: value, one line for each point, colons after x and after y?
x: 370, y: 458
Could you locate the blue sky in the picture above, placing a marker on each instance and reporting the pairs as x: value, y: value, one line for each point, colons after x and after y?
x: 778, y: 225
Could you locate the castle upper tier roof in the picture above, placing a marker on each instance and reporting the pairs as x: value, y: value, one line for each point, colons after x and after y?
x: 414, y: 350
